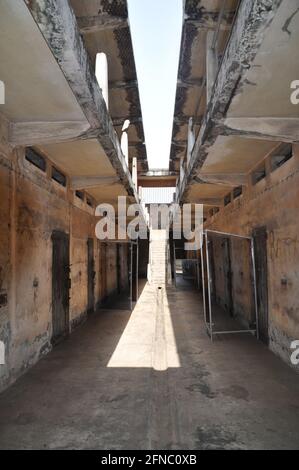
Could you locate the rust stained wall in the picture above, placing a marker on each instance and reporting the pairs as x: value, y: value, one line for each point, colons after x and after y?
x: 273, y: 203
x: 81, y: 228
x: 31, y: 207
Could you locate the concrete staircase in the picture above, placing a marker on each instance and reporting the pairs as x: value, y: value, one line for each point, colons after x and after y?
x: 159, y: 272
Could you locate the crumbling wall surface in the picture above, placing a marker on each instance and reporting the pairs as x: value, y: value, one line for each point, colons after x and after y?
x: 82, y: 228
x: 5, y: 262
x: 218, y: 286
x: 111, y: 271
x: 32, y: 206
x: 272, y: 203
x: 124, y: 267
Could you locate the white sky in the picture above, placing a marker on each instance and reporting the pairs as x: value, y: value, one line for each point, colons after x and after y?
x: 156, y: 27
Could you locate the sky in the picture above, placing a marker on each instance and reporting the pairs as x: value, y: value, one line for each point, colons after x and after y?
x: 156, y: 27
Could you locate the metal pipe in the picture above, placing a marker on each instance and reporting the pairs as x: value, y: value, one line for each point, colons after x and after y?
x: 197, y: 273
x: 174, y: 262
x: 232, y: 332
x: 137, y: 271
x: 209, y: 286
x: 203, y: 285
x: 255, y: 288
x: 229, y: 234
x: 131, y: 276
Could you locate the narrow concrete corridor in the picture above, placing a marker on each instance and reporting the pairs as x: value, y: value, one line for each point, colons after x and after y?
x: 153, y: 380
x: 105, y: 298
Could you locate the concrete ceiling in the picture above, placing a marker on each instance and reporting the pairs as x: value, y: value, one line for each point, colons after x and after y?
x: 86, y: 158
x: 200, y: 193
x: 53, y: 101
x: 35, y: 88
x: 80, y: 158
x: 235, y: 155
x: 200, y: 16
x: 113, y: 37
x: 250, y: 111
x: 266, y: 89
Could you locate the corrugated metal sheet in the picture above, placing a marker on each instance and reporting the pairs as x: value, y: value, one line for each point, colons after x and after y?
x: 157, y: 195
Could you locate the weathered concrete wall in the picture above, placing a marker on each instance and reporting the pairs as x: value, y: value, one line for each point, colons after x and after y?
x: 272, y: 203
x: 32, y: 206
x: 82, y: 228
x: 111, y: 259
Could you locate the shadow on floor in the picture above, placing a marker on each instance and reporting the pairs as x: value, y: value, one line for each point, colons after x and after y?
x: 152, y: 379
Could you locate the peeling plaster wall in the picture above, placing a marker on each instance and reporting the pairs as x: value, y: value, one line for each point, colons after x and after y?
x: 31, y: 207
x: 272, y: 203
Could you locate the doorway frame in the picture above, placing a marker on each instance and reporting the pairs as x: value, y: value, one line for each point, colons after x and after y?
x: 208, y: 305
x: 59, y: 236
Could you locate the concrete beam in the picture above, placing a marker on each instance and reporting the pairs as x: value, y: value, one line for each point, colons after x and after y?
x: 123, y: 85
x: 253, y: 19
x: 33, y: 133
x: 102, y: 22
x: 211, y: 64
x: 232, y: 179
x: 84, y: 182
x: 181, y: 120
x: 58, y: 25
x: 209, y: 20
x: 213, y: 201
x: 191, y: 82
x: 265, y: 128
x: 119, y: 121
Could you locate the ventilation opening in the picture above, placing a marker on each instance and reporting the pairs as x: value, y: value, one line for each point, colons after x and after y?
x: 59, y: 177
x: 259, y: 174
x: 35, y: 159
x: 89, y: 202
x: 237, y: 192
x: 80, y: 195
x: 227, y: 199
x: 284, y: 154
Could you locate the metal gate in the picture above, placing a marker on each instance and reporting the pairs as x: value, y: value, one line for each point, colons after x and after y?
x: 207, y: 281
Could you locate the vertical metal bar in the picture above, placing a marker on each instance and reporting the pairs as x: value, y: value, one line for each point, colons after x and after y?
x: 174, y: 262
x: 131, y: 276
x: 203, y: 283
x: 197, y: 271
x: 209, y: 287
x: 255, y: 288
x: 137, y: 271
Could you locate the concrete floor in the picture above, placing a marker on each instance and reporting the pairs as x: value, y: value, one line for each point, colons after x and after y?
x: 153, y: 380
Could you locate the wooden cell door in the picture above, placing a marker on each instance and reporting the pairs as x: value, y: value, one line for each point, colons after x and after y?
x: 60, y: 285
x: 90, y: 276
x: 261, y: 264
